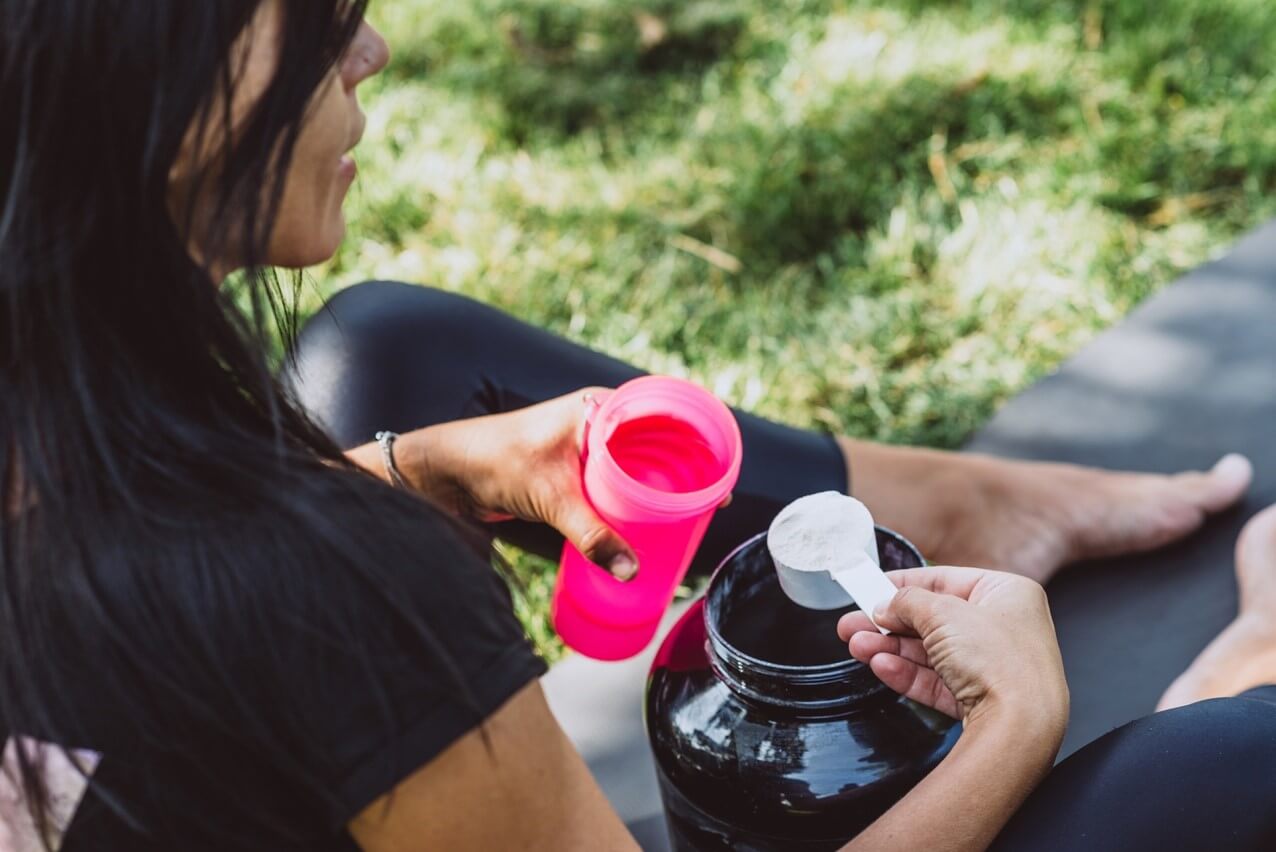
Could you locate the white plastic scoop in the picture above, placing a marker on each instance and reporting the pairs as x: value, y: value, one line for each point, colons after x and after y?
x: 825, y: 551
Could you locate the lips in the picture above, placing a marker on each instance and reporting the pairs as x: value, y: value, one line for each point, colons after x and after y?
x: 347, y: 169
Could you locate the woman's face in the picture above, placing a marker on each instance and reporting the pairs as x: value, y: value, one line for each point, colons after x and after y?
x: 310, y: 224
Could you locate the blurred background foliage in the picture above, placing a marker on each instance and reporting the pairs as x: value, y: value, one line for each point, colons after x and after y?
x: 879, y: 218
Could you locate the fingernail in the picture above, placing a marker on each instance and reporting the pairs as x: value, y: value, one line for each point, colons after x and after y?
x: 880, y: 612
x: 623, y: 567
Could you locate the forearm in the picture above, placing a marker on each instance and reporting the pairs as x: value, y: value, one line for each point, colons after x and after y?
x: 966, y: 801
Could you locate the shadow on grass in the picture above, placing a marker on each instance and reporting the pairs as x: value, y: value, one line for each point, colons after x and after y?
x: 844, y: 168
x: 1148, y: 42
x: 558, y: 67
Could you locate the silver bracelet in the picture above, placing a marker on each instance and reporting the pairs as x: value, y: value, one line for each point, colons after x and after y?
x: 386, y: 440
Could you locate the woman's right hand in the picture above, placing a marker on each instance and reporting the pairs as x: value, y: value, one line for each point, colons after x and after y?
x: 977, y: 645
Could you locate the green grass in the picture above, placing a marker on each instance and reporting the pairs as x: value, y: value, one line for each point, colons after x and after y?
x: 879, y: 218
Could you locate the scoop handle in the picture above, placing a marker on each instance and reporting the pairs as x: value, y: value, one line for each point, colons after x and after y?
x: 864, y: 581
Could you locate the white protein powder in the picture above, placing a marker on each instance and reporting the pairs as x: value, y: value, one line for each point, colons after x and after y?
x: 822, y: 532
x: 825, y: 552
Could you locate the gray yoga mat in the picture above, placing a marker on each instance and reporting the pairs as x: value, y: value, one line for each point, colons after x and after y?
x: 1188, y: 376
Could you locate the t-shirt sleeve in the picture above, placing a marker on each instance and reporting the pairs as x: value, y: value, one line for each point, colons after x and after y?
x: 400, y: 672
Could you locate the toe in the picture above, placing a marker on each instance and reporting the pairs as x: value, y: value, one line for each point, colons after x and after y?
x: 1222, y: 486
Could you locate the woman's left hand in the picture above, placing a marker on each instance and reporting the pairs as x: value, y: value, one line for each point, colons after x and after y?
x: 523, y: 464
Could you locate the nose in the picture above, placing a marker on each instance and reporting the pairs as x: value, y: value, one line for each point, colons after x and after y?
x: 368, y: 55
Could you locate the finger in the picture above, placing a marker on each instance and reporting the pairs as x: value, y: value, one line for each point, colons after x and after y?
x: 916, y: 610
x: 580, y: 407
x: 596, y: 541
x: 852, y: 623
x: 726, y: 501
x: 863, y: 647
x: 869, y: 643
x: 944, y: 580
x: 919, y: 683
x: 1218, y: 488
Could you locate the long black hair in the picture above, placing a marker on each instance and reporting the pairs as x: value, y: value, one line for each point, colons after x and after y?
x: 142, y: 432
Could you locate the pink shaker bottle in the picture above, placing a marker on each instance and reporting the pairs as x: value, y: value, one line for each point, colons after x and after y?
x: 660, y: 455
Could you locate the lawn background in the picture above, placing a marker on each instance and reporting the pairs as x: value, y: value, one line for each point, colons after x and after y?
x: 878, y: 218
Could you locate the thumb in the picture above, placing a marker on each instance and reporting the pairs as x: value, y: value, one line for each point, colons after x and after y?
x: 914, y: 610
x: 1222, y: 486
x: 596, y: 541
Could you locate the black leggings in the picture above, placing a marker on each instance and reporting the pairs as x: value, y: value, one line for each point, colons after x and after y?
x: 1202, y: 777
x: 384, y: 355
x: 399, y: 357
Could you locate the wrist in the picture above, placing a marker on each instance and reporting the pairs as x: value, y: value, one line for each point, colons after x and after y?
x: 423, y: 459
x: 389, y: 464
x: 1036, y: 725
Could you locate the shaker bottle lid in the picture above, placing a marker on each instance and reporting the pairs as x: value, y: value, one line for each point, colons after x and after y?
x: 825, y: 551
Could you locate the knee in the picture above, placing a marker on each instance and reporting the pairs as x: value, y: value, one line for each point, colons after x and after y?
x: 376, y: 315
x: 376, y: 326
x: 1209, y: 763
x: 1233, y: 734
x: 1204, y: 764
x: 373, y: 343
x: 1214, y: 748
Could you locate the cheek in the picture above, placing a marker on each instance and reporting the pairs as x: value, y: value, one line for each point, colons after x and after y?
x: 310, y: 224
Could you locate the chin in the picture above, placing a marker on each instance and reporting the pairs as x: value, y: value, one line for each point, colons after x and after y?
x: 327, y: 251
x: 335, y: 235
x: 320, y: 249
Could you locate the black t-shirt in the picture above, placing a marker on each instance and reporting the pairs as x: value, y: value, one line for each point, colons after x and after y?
x: 282, y: 684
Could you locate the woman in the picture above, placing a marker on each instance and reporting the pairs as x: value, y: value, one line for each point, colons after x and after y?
x: 236, y: 636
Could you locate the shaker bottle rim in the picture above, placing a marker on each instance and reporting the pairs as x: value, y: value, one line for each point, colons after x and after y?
x: 683, y: 398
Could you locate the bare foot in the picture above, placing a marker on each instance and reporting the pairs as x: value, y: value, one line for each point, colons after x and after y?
x: 1244, y: 654
x: 1032, y: 518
